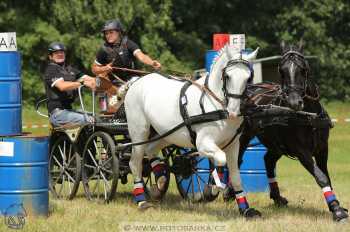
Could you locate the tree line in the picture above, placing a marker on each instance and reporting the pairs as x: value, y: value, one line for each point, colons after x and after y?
x: 178, y: 32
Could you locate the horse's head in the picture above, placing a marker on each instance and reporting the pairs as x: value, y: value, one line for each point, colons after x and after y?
x: 293, y: 69
x: 235, y: 75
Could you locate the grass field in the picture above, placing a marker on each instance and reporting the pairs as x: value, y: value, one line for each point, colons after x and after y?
x: 306, y: 211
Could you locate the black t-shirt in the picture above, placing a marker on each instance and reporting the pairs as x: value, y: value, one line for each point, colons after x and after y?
x: 122, y: 55
x: 57, y: 98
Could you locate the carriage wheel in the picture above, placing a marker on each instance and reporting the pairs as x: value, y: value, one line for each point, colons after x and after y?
x: 192, y: 174
x: 64, y: 168
x: 151, y: 189
x: 100, y: 167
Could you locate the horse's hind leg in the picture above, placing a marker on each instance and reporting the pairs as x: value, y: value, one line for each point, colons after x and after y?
x: 271, y: 159
x: 339, y: 213
x: 158, y: 167
x: 138, y: 132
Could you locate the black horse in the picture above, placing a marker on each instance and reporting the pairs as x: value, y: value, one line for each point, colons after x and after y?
x: 289, y: 119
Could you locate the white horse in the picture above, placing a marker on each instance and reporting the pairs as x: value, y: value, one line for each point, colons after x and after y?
x: 154, y: 101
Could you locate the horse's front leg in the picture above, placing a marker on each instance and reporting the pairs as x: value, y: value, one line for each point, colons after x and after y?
x: 271, y: 159
x: 339, y: 213
x: 232, y: 162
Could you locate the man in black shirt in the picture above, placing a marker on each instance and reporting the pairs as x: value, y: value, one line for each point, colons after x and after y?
x: 119, y: 51
x: 61, y: 84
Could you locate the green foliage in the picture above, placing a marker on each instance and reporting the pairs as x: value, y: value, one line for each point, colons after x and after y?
x: 178, y: 32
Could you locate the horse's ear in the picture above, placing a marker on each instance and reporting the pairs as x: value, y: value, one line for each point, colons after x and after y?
x: 283, y: 46
x: 301, y: 45
x: 251, y: 56
x: 227, y: 50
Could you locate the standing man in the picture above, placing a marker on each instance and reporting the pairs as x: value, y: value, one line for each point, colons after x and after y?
x: 61, y: 84
x: 119, y: 51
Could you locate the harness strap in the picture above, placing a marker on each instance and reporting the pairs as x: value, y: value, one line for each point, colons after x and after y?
x: 184, y: 112
x: 201, y: 100
x: 193, y: 120
x: 209, y: 92
x: 239, y: 130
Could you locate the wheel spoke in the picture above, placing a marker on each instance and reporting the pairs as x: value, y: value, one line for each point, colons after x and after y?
x: 104, y: 178
x: 181, y: 179
x: 61, y: 153
x: 92, y: 157
x: 62, y: 186
x: 106, y: 162
x: 97, y: 150
x: 200, y: 159
x: 199, y: 185
x: 69, y: 185
x: 106, y: 170
x: 58, y: 162
x: 64, y: 150
x: 71, y: 158
x: 69, y: 176
x: 57, y: 179
x: 89, y: 166
x: 192, y: 185
x: 201, y: 178
x: 188, y: 187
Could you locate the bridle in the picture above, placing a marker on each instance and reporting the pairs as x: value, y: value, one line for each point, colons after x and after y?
x: 297, y: 59
x: 225, y: 77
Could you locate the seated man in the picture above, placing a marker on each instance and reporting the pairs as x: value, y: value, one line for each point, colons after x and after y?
x: 61, y: 84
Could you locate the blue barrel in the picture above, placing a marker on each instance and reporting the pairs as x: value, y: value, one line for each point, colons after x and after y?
x: 11, y: 94
x: 209, y: 57
x: 253, y: 171
x: 24, y: 175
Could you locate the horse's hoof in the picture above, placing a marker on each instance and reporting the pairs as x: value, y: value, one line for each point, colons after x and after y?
x: 143, y: 205
x: 340, y: 214
x: 155, y: 193
x: 229, y: 194
x: 280, y: 201
x: 250, y: 213
x: 161, y: 183
x: 210, y: 192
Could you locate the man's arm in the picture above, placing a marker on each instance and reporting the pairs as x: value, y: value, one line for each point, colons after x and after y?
x: 63, y: 85
x: 86, y: 80
x: 142, y: 57
x: 99, y: 69
x: 101, y: 65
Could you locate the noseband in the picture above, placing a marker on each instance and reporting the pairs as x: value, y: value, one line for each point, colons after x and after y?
x: 225, y: 77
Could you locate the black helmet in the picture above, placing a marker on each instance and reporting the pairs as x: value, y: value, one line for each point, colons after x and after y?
x: 56, y: 46
x: 113, y: 24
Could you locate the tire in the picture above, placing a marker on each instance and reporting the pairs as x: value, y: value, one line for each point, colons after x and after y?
x: 100, y: 164
x: 64, y: 168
